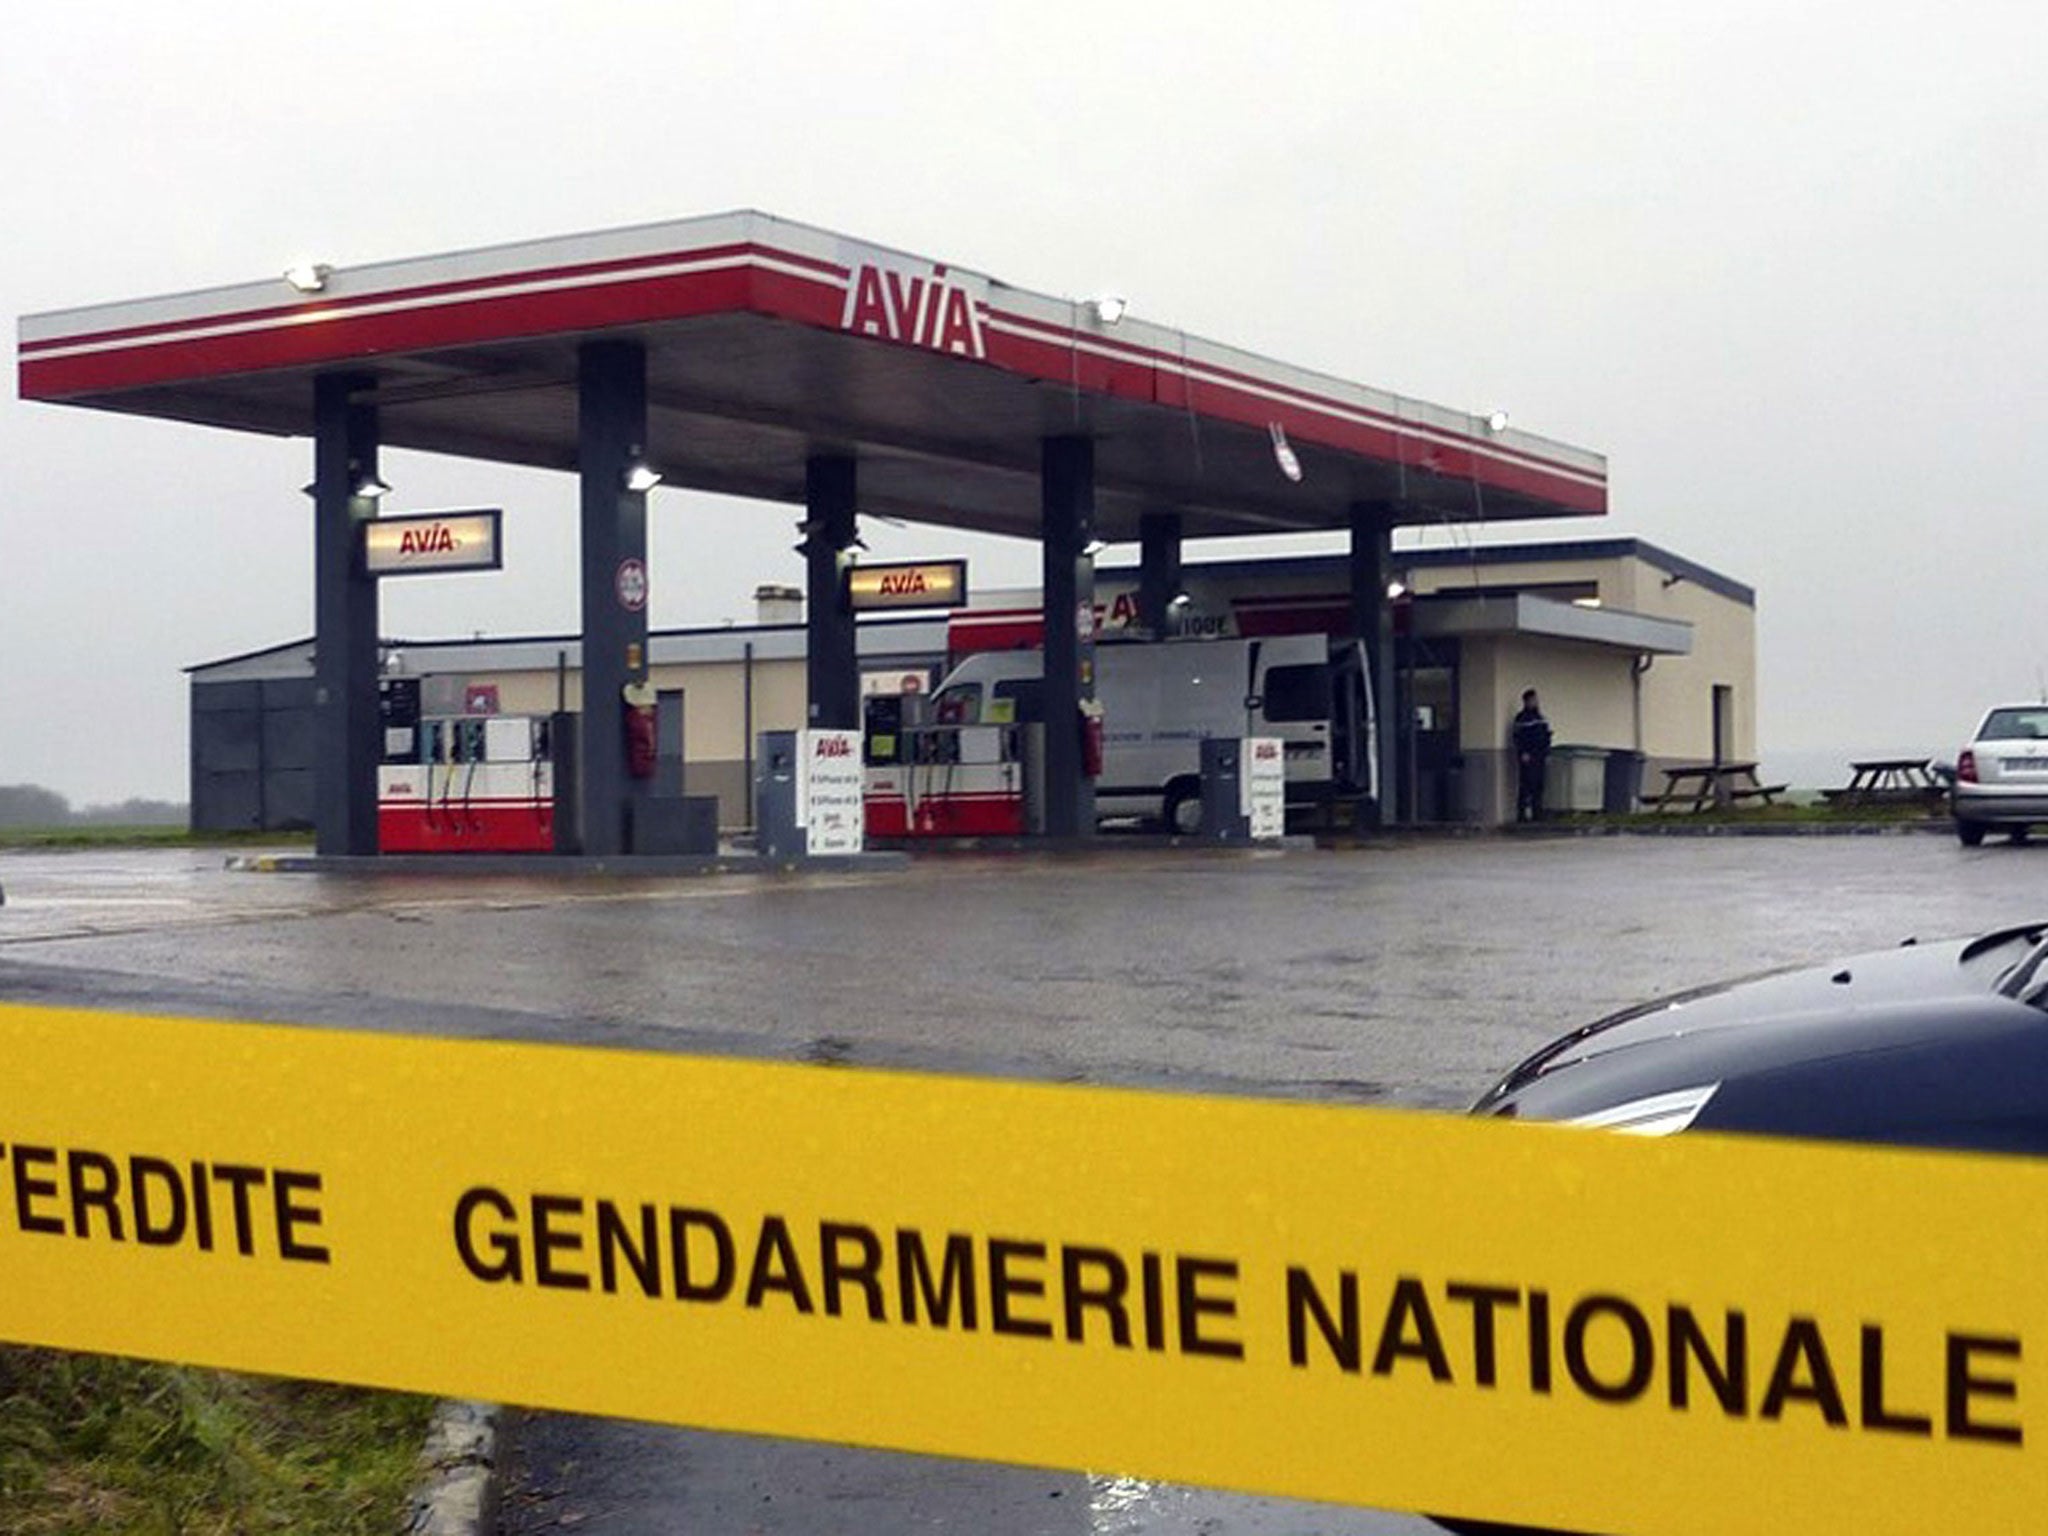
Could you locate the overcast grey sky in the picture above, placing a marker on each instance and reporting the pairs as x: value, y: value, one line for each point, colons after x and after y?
x: 1782, y: 264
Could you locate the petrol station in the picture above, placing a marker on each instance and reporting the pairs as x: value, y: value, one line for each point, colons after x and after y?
x: 752, y: 356
x: 1283, y: 1289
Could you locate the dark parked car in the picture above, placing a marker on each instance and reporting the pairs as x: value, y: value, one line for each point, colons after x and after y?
x: 1936, y: 1045
x: 1930, y: 1045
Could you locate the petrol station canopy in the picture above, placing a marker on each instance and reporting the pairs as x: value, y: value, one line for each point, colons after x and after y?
x: 769, y: 343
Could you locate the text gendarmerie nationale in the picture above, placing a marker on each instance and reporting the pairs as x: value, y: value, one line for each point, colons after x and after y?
x: 1458, y: 1333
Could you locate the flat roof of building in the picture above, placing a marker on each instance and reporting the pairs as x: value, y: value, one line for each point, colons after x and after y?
x: 882, y: 643
x: 1480, y: 556
x: 1447, y: 614
x: 886, y: 640
x: 769, y: 342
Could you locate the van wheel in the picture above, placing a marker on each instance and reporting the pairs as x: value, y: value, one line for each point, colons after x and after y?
x: 1184, y: 808
x: 1969, y: 833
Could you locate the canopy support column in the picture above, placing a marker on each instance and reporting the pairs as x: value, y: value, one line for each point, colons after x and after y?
x: 1158, y: 569
x: 612, y: 431
x: 832, y: 663
x: 1067, y: 507
x: 346, y: 730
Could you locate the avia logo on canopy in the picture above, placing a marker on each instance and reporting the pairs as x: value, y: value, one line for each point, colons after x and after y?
x: 918, y: 304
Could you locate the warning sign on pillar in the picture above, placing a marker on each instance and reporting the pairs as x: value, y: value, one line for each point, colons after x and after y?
x: 631, y: 584
x: 829, y: 789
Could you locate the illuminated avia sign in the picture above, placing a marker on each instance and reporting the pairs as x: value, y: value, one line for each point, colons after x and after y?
x: 432, y: 542
x: 933, y: 584
x: 921, y: 306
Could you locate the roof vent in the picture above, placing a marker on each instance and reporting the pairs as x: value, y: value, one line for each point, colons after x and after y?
x: 776, y: 604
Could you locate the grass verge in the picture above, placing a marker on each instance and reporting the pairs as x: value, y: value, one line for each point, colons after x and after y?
x: 1794, y: 812
x: 145, y: 837
x: 94, y: 1443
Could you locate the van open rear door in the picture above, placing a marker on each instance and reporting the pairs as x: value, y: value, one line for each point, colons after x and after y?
x: 1354, y: 724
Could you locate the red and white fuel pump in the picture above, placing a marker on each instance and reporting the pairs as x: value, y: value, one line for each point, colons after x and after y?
x: 465, y: 783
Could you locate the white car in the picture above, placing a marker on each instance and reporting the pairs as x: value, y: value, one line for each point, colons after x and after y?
x: 2002, y: 775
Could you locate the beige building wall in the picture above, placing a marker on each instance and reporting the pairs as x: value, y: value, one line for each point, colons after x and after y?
x: 1678, y: 719
x: 1585, y: 692
x: 1524, y: 576
x: 530, y: 693
x: 1676, y: 691
x: 1482, y: 711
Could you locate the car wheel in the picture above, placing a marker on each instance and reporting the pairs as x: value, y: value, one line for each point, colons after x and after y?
x: 1969, y: 833
x: 2019, y: 835
x: 1184, y: 808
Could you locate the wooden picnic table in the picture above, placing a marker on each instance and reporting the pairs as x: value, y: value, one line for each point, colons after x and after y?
x: 1888, y: 781
x: 1702, y: 786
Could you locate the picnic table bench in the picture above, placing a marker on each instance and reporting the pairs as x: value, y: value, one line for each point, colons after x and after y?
x: 1702, y: 786
x: 1888, y: 781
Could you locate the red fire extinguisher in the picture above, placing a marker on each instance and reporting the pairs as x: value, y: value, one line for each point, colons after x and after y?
x: 640, y: 732
x: 1091, y: 738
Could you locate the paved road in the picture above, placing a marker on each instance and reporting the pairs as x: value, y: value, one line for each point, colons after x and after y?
x: 1410, y: 972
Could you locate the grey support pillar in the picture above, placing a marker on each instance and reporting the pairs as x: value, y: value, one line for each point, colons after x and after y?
x: 1158, y: 569
x: 1372, y: 620
x: 1067, y: 506
x: 612, y: 430
x: 832, y: 667
x: 348, y: 739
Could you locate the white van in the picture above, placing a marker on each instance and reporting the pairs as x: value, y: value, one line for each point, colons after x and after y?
x: 1161, y: 699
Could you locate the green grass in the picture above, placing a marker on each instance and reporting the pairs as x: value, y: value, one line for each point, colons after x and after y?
x: 93, y: 1443
x: 1794, y: 809
x: 88, y: 835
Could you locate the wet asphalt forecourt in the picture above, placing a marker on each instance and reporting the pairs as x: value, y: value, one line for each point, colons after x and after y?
x: 1409, y: 972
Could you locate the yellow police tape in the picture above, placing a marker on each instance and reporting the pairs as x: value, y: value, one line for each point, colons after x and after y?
x: 1420, y: 1311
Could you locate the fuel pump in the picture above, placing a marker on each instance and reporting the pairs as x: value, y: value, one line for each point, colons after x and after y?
x: 465, y: 783
x: 956, y: 769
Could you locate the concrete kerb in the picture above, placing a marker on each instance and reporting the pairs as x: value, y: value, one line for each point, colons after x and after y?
x: 894, y: 855
x: 658, y: 866
x: 457, y: 1492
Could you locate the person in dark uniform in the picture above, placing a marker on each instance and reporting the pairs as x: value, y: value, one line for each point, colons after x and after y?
x: 1530, y: 736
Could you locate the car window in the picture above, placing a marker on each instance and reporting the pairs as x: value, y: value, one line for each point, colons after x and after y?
x: 2015, y: 725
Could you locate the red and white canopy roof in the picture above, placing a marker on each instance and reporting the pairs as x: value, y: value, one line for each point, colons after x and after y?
x: 768, y: 342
